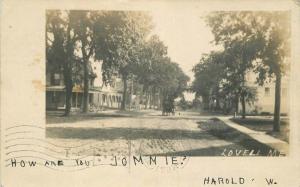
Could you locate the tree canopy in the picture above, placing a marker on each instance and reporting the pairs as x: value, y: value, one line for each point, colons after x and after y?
x: 122, y: 41
x: 251, y: 41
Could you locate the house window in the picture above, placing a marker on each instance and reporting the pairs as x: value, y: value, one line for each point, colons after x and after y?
x: 267, y: 91
x: 56, y: 79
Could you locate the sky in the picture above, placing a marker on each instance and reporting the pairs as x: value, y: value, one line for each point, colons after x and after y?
x: 186, y: 35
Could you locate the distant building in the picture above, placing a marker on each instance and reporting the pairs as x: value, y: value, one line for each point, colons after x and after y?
x: 100, y: 95
x: 266, y: 96
x: 263, y: 104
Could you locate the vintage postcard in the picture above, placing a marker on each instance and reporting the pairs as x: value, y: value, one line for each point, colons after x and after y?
x: 150, y: 93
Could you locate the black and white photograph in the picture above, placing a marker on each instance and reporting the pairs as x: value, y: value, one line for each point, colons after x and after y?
x: 168, y: 83
x: 137, y: 93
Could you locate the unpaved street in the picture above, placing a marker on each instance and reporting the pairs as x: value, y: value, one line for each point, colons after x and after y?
x: 147, y: 133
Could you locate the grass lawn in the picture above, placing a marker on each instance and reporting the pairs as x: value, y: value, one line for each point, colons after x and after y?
x: 266, y: 125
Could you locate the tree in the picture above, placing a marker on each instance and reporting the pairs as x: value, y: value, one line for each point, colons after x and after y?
x: 217, y: 79
x: 275, y: 56
x: 153, y: 53
x: 83, y: 25
x: 266, y: 36
x: 173, y: 82
x: 208, y: 74
x: 60, y: 47
x: 233, y: 30
x: 119, y: 38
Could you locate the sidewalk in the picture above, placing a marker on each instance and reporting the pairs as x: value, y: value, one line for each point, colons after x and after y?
x: 262, y: 137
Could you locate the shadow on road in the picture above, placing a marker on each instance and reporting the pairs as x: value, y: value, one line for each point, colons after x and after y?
x: 123, y: 133
x: 242, y: 144
x: 56, y: 118
x: 209, y: 130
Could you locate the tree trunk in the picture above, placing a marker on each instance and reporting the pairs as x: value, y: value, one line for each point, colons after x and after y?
x: 243, y: 106
x: 123, y: 104
x: 130, y: 96
x: 276, y: 126
x: 163, y: 104
x: 147, y: 99
x: 151, y: 99
x: 237, y: 104
x: 205, y: 101
x: 225, y: 106
x: 159, y: 99
x: 68, y: 88
x: 67, y: 71
x: 85, y: 87
x: 218, y: 107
